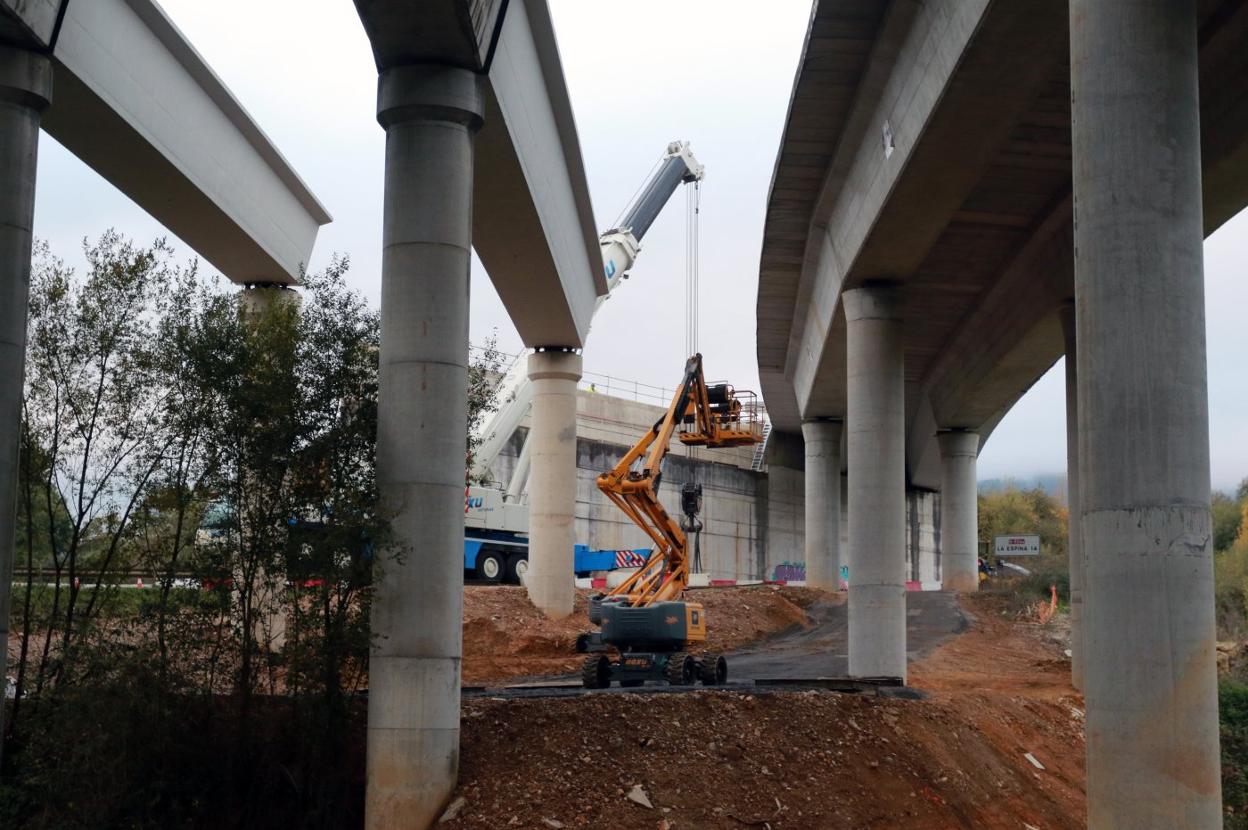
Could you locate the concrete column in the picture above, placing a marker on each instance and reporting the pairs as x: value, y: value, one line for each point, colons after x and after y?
x: 823, y: 503
x: 430, y: 114
x: 1149, y: 674
x: 552, y: 484
x: 876, y: 448
x: 25, y: 90
x: 257, y: 300
x: 1074, y: 543
x: 959, y: 509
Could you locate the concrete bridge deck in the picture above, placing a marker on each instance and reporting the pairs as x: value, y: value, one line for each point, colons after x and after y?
x: 967, y: 190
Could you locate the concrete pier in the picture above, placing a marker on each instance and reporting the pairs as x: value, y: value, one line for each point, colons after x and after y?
x: 25, y: 91
x: 876, y: 450
x: 1074, y: 542
x: 959, y: 509
x: 552, y: 484
x: 1150, y: 677
x: 430, y: 114
x: 823, y: 503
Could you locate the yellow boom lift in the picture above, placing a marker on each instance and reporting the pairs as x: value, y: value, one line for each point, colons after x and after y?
x: 647, y: 618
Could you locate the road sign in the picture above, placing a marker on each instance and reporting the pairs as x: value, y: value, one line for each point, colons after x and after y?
x: 1018, y: 545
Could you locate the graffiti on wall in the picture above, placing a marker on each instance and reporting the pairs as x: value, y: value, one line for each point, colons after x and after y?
x: 789, y: 572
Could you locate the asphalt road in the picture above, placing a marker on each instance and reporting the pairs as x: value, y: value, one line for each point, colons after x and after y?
x: 932, y: 617
x: 812, y: 657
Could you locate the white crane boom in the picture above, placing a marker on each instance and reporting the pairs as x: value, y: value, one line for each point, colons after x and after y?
x: 620, y: 247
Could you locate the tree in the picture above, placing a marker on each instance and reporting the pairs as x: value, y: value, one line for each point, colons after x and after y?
x: 92, y: 414
x: 1227, y: 519
x: 225, y: 449
x: 1011, y: 511
x: 485, y: 372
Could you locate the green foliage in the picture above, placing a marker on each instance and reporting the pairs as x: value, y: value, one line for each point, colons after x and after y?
x: 1013, y: 511
x: 485, y: 370
x: 222, y: 446
x: 1228, y: 516
x: 1233, y: 712
x: 1230, y: 581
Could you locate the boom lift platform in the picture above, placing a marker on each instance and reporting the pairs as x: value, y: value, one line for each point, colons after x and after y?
x: 647, y: 618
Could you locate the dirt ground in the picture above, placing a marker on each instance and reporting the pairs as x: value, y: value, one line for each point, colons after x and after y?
x: 734, y: 759
x: 506, y: 637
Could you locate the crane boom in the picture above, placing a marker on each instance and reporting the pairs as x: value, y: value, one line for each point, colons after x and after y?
x: 620, y: 247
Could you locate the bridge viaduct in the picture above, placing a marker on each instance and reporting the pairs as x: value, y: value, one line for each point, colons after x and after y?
x: 481, y: 153
x: 965, y: 191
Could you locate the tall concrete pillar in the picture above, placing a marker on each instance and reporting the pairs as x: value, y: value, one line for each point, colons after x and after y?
x: 823, y: 503
x: 1074, y: 542
x: 430, y: 114
x: 959, y: 509
x: 25, y: 90
x: 1149, y: 674
x: 876, y: 448
x: 552, y: 484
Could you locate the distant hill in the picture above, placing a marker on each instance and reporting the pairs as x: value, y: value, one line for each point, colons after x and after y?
x: 1052, y: 483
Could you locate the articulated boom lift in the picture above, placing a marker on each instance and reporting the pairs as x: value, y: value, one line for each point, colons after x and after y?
x: 646, y: 617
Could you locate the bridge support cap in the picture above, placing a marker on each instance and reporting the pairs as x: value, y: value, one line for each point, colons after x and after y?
x: 25, y: 77
x: 428, y: 92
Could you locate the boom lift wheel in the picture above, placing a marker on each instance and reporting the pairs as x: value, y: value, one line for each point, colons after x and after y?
x: 682, y: 669
x: 596, y: 672
x: 713, y: 670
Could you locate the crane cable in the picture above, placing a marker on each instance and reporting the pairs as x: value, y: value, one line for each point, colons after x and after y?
x: 691, y: 523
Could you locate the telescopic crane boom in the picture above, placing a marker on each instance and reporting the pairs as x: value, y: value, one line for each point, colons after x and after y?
x: 620, y: 247
x: 645, y: 617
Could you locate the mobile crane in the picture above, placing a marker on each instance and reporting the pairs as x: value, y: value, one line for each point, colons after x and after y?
x: 646, y: 617
x: 497, y: 520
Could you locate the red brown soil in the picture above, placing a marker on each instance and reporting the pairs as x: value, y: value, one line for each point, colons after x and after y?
x: 506, y: 637
x: 796, y: 759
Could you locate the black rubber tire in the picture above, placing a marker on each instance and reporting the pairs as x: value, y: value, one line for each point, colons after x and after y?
x: 632, y: 684
x: 713, y: 670
x: 582, y: 643
x: 681, y: 670
x: 596, y: 672
x: 517, y: 564
x: 490, y: 566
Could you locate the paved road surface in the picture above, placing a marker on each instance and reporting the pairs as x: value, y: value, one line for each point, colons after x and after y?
x: 932, y: 618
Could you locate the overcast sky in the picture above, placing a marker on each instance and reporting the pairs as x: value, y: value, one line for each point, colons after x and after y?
x: 643, y: 73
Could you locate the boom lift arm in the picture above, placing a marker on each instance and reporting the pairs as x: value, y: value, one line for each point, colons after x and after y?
x: 645, y: 617
x: 700, y: 416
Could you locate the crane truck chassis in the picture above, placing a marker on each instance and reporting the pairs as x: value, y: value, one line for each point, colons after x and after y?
x: 646, y: 617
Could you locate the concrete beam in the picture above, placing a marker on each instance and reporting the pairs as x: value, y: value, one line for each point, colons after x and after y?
x: 533, y: 223
x: 137, y: 103
x: 29, y: 23
x: 960, y: 64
